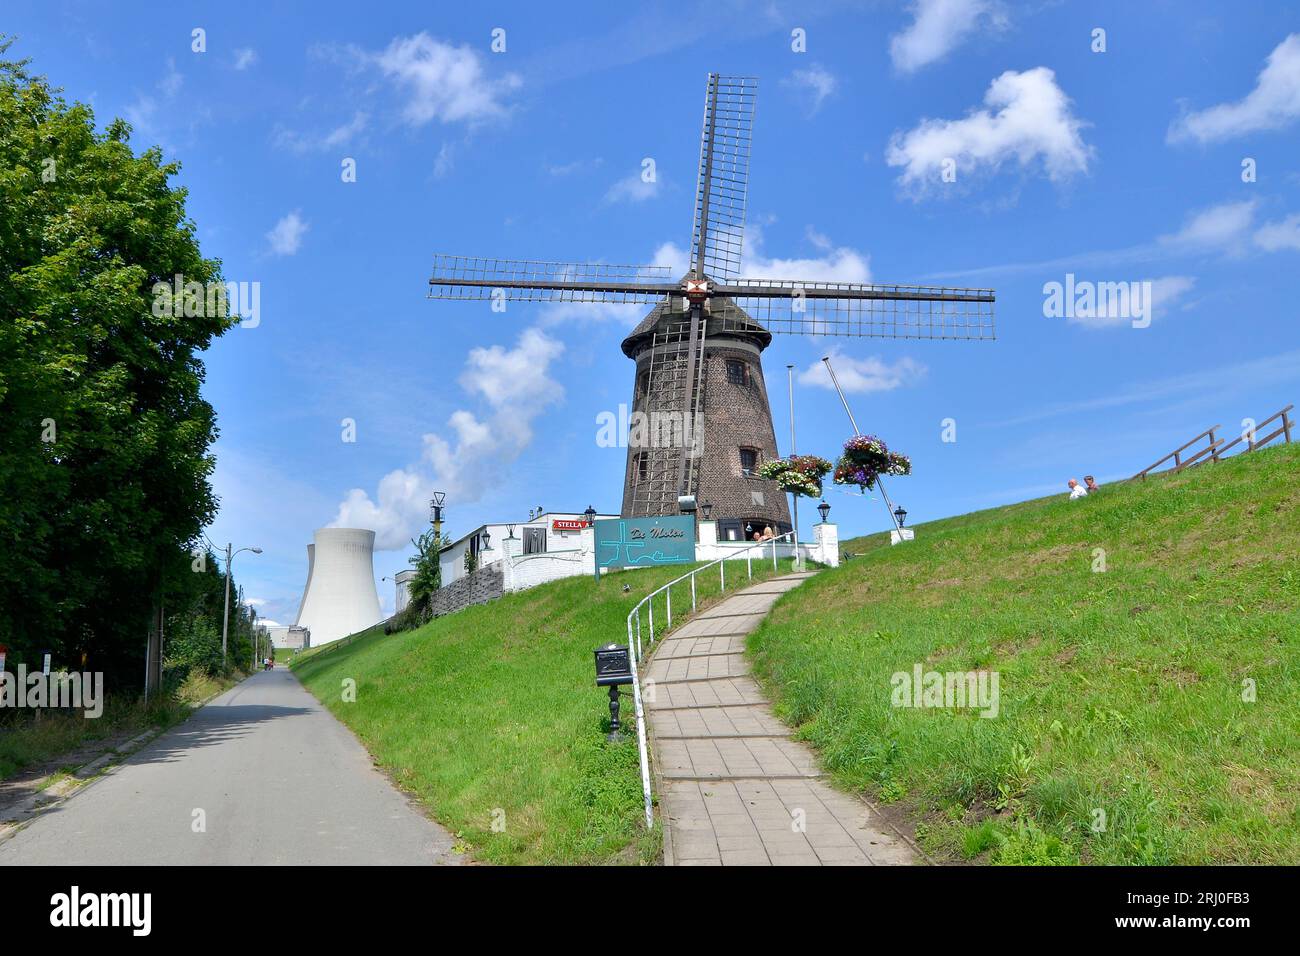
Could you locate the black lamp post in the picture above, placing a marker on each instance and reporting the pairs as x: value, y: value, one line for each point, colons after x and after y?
x: 590, y: 515
x: 901, y: 514
x: 708, y: 509
x: 487, y: 540
x: 824, y: 509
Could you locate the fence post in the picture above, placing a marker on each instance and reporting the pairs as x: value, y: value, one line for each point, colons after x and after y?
x: 668, y: 600
x: 692, y: 590
x: 1286, y: 426
x: 722, y: 567
x: 749, y: 566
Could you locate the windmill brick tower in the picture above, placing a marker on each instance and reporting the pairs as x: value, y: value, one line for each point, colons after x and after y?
x: 726, y: 427
x: 698, y: 352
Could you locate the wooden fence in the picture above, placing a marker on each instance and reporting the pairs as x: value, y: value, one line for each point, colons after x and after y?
x: 1215, y: 448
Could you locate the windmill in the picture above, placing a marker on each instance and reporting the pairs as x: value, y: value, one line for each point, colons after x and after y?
x: 699, y: 375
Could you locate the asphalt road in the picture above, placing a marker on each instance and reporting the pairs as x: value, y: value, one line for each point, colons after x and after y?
x: 278, y: 781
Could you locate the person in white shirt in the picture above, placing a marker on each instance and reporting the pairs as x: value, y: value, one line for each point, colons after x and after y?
x: 1077, y: 490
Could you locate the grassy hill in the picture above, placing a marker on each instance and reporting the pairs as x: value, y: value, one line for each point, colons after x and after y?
x: 1122, y: 734
x: 491, y: 716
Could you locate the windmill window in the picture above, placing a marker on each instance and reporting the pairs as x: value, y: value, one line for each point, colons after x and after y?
x: 642, y: 465
x: 748, y: 461
x: 737, y: 372
x: 642, y: 383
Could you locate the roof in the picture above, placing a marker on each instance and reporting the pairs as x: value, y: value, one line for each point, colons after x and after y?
x: 724, y: 317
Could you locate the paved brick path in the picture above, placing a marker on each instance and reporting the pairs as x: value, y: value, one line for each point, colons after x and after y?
x: 735, y: 788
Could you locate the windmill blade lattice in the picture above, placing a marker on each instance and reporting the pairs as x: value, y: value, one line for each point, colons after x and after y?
x: 723, y: 181
x: 867, y: 311
x: 527, y: 280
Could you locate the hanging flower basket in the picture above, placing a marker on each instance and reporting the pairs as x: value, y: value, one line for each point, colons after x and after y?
x: 865, y: 459
x: 797, y: 475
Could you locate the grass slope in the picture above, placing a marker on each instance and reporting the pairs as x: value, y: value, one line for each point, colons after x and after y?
x: 492, y: 715
x: 1121, y: 692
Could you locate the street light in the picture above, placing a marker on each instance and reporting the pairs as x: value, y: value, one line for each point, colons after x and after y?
x: 590, y: 515
x: 225, y: 617
x: 708, y: 509
x: 901, y: 514
x: 435, y: 511
x: 824, y: 509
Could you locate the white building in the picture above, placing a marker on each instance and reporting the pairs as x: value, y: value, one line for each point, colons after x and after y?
x: 543, y: 548
x: 402, y: 585
x: 557, y: 545
x: 288, y: 636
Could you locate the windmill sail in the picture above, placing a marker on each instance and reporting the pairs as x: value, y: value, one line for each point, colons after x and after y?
x: 527, y: 280
x: 871, y: 311
x: 724, y: 177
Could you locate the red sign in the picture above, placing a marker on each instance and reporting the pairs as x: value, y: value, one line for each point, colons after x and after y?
x: 568, y: 524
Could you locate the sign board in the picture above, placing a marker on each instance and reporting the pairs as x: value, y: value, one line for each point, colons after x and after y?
x: 901, y: 534
x: 643, y: 542
x: 613, y: 665
x: 568, y: 524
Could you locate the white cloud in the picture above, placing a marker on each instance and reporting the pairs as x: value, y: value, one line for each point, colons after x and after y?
x: 816, y: 83
x: 340, y: 135
x: 1276, y: 236
x: 1224, y: 226
x: 577, y: 166
x: 863, y: 375
x: 1027, y: 120
x: 516, y: 386
x: 446, y: 159
x: 443, y: 82
x: 633, y: 188
x: 286, y: 237
x: 245, y: 57
x: 1272, y: 104
x: 838, y: 264
x: 938, y: 27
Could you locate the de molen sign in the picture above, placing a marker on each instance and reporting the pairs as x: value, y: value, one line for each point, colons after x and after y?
x: 644, y: 542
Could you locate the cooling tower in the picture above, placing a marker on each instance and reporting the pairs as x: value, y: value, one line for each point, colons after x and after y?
x: 341, y: 597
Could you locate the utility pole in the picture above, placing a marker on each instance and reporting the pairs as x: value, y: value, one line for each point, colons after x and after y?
x: 789, y: 378
x: 225, y: 613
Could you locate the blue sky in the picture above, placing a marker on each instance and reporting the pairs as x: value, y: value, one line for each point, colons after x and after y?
x: 1117, y: 166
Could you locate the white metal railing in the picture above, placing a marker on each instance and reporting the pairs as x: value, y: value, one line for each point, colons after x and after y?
x: 634, y: 635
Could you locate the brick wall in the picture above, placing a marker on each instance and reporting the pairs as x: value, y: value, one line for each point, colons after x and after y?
x: 485, y: 584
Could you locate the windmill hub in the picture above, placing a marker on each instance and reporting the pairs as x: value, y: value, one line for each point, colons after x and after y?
x: 697, y: 290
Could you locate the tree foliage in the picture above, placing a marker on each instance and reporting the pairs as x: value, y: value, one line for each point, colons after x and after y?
x: 104, y: 435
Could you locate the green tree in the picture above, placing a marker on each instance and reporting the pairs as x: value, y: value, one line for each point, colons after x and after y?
x: 104, y: 435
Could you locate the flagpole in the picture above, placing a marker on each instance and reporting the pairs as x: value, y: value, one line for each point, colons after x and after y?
x: 880, y: 482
